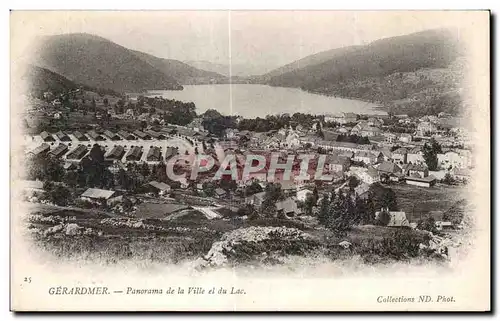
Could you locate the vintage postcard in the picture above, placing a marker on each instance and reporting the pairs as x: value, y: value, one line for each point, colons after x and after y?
x: 250, y: 160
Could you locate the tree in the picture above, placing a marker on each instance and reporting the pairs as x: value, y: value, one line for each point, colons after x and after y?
x: 274, y: 193
x: 145, y: 171
x: 105, y: 102
x: 209, y: 189
x: 427, y: 224
x: 253, y: 188
x: 309, y: 204
x: 353, y: 182
x: 383, y: 197
x: 448, y: 179
x: 324, y: 213
x: 430, y: 154
x: 57, y: 194
x: 384, y: 217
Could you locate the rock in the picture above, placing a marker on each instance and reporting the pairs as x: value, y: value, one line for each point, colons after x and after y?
x: 218, y: 254
x: 346, y: 245
x: 138, y: 225
x: 72, y: 229
x: 53, y: 230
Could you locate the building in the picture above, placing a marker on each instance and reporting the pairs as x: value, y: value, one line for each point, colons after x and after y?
x: 375, y: 122
x: 126, y: 135
x: 79, y: 136
x: 110, y: 135
x: 344, y: 118
x: 77, y: 153
x: 454, y: 159
x: 368, y: 157
x: 95, y: 136
x: 368, y: 176
x: 330, y: 135
x: 369, y: 131
x: 170, y: 152
x: 220, y: 193
x: 62, y: 137
x: 389, y: 168
x: 255, y: 199
x: 155, y: 135
x: 158, y: 188
x: 444, y: 225
x: 422, y: 182
x: 424, y: 128
x: 337, y: 163
x: 142, y: 135
x: 59, y: 151
x: 405, y: 138
x: 96, y: 194
x: 116, y: 153
x: 461, y: 173
x: 134, y: 154
x: 154, y: 154
x: 400, y: 155
x: 40, y: 150
x: 343, y: 146
x: 390, y: 137
x: 362, y: 190
x: 397, y: 219
x: 416, y: 170
x: 415, y: 156
x: 302, y: 194
x: 288, y: 207
x: 46, y: 137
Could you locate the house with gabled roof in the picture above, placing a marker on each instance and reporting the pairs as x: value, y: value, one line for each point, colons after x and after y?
x: 155, y: 135
x: 126, y: 135
x: 95, y: 136
x: 397, y: 218
x: 400, y: 155
x: 40, y: 150
x: 116, y: 153
x: 77, y: 153
x: 154, y: 154
x: 142, y: 135
x: 112, y: 136
x: 416, y: 170
x: 81, y: 137
x: 134, y: 154
x: 46, y: 137
x: 59, y: 151
x: 62, y: 136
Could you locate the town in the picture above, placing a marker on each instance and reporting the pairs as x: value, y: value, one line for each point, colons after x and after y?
x: 121, y: 157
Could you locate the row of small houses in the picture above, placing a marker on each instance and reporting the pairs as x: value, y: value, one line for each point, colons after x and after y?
x: 148, y: 134
x: 369, y: 154
x: 107, y: 134
x: 116, y: 153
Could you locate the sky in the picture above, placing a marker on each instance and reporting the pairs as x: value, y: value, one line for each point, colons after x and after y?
x: 268, y: 39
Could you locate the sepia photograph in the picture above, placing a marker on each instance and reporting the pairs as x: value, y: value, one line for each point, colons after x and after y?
x: 238, y: 160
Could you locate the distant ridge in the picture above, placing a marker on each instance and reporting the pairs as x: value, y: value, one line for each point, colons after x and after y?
x: 404, y: 73
x: 95, y: 61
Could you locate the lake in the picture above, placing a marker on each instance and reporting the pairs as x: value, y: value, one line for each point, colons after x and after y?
x: 252, y: 101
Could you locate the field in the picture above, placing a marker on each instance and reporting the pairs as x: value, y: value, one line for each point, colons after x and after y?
x: 107, y: 238
x: 417, y: 202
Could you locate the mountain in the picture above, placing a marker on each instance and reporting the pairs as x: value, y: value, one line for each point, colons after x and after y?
x: 310, y: 61
x: 409, y: 73
x: 237, y: 70
x: 97, y: 62
x: 40, y: 80
x: 182, y: 72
